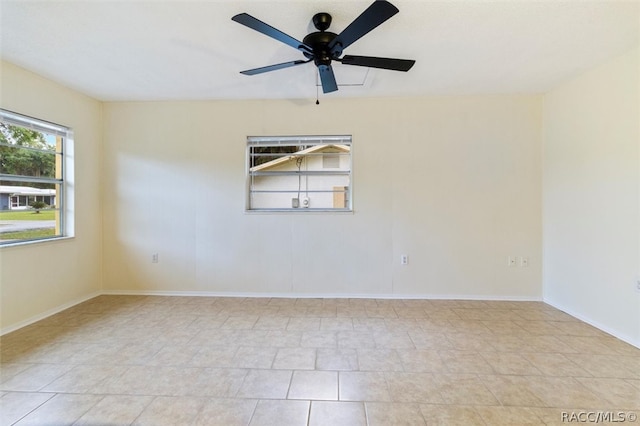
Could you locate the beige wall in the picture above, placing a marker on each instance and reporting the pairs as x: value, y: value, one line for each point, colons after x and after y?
x: 38, y: 279
x: 455, y: 183
x: 592, y: 197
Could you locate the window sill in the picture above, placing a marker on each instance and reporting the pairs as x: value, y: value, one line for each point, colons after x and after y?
x: 301, y: 211
x: 32, y: 242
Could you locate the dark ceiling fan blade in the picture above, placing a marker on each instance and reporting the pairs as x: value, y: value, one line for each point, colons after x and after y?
x: 266, y: 29
x: 373, y: 62
x: 328, y: 79
x: 273, y: 67
x: 373, y: 16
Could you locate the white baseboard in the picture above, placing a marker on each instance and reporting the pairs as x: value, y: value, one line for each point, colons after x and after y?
x: 615, y: 333
x: 46, y: 314
x: 321, y: 295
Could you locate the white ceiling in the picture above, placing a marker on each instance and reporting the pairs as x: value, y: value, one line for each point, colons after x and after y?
x: 183, y: 49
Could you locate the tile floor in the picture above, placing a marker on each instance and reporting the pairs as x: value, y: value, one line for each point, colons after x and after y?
x: 122, y: 360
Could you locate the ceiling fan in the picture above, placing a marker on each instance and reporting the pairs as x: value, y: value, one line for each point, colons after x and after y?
x: 323, y: 46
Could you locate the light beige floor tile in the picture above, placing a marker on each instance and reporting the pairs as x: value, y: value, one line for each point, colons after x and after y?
x: 165, y: 410
x: 414, y: 387
x: 363, y: 386
x: 577, y: 328
x: 336, y: 324
x: 393, y: 340
x: 218, y: 382
x: 369, y: 324
x: 546, y: 343
x: 173, y: 355
x: 420, y: 361
x: 381, y: 312
x: 555, y: 365
x: 508, y: 343
x: 433, y: 325
x: 213, y: 356
x: 115, y: 410
x: 563, y: 392
x: 612, y: 366
x: 465, y: 362
x: 634, y: 382
x: 510, y: 363
x: 84, y: 378
x: 304, y: 324
x: 283, y: 338
x: 337, y: 359
x: 470, y: 327
x: 271, y: 323
x: 412, y: 313
x: 512, y: 390
x: 465, y: 357
x: 476, y: 341
x: 16, y: 405
x: 226, y: 412
x: 243, y: 322
x: 503, y: 328
x: 540, y: 327
x: 278, y: 413
x: 402, y: 324
x: 60, y: 410
x: 464, y: 389
x: 451, y: 415
x: 208, y: 322
x: 483, y: 314
x: 509, y: 416
x: 295, y: 359
x: 65, y: 353
x: 153, y: 380
x: 386, y: 413
x: 10, y: 369
x: 126, y: 353
x: 319, y: 339
x: 351, y: 312
x: 314, y: 385
x: 265, y: 384
x: 442, y: 313
x: 379, y: 360
x: 35, y: 377
x: 617, y: 392
x: 325, y: 413
x: 323, y: 311
x: 430, y: 340
x: 623, y: 348
x: 355, y: 339
x: 254, y: 357
x: 596, y: 345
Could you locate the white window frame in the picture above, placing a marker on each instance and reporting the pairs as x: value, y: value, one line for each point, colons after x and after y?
x: 302, y: 141
x: 65, y: 200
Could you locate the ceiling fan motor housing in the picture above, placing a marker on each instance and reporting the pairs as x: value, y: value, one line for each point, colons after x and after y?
x: 319, y: 42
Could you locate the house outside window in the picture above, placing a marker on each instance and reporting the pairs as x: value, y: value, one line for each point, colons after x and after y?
x: 299, y: 173
x: 34, y: 191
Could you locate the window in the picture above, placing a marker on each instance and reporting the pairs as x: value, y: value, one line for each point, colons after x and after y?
x: 299, y: 173
x: 33, y: 188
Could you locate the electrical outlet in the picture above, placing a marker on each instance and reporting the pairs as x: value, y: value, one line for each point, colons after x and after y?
x: 638, y: 285
x: 154, y: 258
x: 512, y: 261
x: 524, y: 261
x: 404, y: 259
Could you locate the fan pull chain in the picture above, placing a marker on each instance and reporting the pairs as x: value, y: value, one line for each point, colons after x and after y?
x: 317, y: 100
